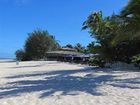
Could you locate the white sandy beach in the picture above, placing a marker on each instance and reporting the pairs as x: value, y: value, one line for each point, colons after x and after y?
x: 56, y: 83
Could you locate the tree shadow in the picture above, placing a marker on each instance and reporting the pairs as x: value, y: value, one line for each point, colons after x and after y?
x: 131, y: 83
x: 36, y: 65
x: 64, y: 81
x: 26, y: 66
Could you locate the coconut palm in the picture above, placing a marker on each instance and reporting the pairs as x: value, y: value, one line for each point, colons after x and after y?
x: 79, y: 48
x: 117, y: 36
x: 95, y: 23
x: 131, y: 22
x: 133, y: 9
x: 103, y: 30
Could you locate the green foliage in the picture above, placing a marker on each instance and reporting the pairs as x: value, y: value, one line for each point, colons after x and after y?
x: 79, y: 48
x: 91, y: 47
x: 131, y: 22
x: 36, y: 46
x: 38, y: 43
x: 97, y: 61
x: 20, y: 55
x: 104, y: 30
x: 117, y: 37
x: 136, y: 58
x: 68, y: 46
x: 132, y: 8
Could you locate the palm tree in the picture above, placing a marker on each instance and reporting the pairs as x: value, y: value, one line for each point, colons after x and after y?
x: 103, y: 30
x: 131, y: 18
x: 79, y: 48
x: 133, y: 9
x: 116, y: 35
x: 95, y: 23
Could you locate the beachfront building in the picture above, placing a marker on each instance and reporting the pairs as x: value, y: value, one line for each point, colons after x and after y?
x: 62, y: 54
x: 68, y: 55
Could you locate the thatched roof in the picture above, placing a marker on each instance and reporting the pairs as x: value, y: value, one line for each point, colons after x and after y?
x: 68, y: 52
x: 62, y: 53
x: 68, y: 49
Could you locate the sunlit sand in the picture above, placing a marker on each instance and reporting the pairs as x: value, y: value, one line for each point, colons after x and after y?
x: 56, y: 83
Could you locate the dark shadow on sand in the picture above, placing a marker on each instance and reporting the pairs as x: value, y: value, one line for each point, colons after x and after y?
x: 65, y: 82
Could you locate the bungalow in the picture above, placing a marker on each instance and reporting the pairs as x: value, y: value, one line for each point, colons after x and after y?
x: 69, y: 55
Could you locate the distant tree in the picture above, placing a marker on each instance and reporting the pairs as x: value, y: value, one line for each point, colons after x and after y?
x: 20, y: 55
x: 79, y: 48
x: 38, y: 43
x: 56, y: 42
x: 93, y: 48
x: 68, y: 45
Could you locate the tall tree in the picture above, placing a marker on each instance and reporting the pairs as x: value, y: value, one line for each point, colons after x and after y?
x: 131, y: 18
x: 118, y: 37
x: 20, y: 55
x: 38, y: 43
x: 132, y: 15
x: 68, y: 46
x: 103, y: 30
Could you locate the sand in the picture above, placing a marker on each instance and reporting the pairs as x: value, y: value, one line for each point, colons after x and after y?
x: 57, y: 83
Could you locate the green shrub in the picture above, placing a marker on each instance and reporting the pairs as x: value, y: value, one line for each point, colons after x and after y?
x: 20, y: 55
x: 136, y: 60
x: 97, y: 61
x: 36, y: 46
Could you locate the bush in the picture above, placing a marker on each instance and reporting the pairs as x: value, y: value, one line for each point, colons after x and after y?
x: 36, y: 46
x: 20, y: 55
x: 97, y: 61
x: 136, y: 60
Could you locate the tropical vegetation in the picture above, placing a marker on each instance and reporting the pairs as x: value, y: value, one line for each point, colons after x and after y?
x: 36, y: 45
x: 117, y: 36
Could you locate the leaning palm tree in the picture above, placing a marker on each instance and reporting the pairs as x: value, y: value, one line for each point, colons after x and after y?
x: 100, y: 27
x: 95, y: 23
x: 103, y: 30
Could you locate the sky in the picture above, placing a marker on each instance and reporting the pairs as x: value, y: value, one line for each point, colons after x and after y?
x: 61, y: 18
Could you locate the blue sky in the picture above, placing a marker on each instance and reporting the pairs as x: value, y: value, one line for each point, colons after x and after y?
x: 62, y: 18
